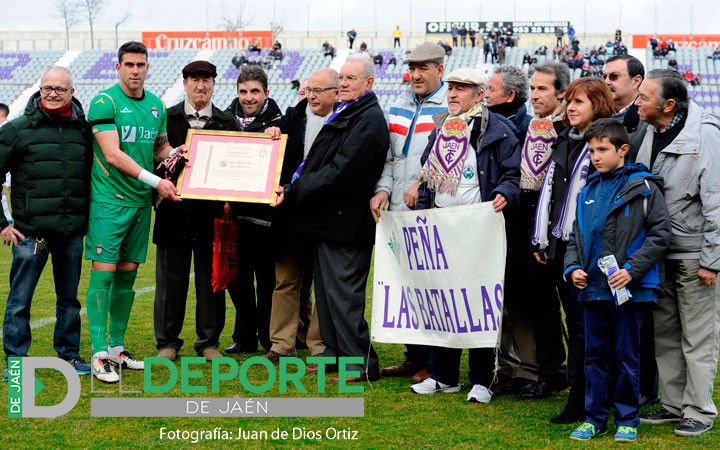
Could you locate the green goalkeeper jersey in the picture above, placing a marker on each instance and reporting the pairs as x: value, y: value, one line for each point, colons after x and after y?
x: 138, y: 122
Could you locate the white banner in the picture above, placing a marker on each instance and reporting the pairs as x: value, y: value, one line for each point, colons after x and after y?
x: 438, y: 277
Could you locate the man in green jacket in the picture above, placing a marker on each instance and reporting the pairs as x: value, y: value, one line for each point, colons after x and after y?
x: 48, y: 152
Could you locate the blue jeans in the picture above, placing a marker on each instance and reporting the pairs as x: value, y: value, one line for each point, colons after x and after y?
x: 29, y: 259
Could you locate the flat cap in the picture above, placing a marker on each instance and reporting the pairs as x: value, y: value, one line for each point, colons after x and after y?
x: 200, y: 68
x: 468, y: 76
x: 427, y: 51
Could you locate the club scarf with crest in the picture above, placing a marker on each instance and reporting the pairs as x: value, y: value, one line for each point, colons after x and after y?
x: 537, y: 150
x: 444, y: 166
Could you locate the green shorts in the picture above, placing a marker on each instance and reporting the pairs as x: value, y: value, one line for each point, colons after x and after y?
x: 117, y: 233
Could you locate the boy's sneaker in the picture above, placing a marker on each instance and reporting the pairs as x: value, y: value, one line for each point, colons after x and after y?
x: 80, y: 365
x: 626, y: 434
x: 585, y: 432
x: 660, y: 416
x: 127, y: 361
x: 430, y: 386
x: 103, y: 370
x: 691, y: 427
x: 479, y: 394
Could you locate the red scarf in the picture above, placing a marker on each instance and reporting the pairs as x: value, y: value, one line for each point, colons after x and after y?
x: 61, y: 114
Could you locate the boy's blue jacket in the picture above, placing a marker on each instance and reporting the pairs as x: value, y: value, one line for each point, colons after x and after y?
x: 621, y: 213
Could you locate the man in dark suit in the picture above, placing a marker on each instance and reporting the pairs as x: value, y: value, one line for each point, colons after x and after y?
x: 332, y: 189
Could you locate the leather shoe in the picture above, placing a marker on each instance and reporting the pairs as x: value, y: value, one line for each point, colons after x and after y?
x: 361, y: 379
x: 543, y: 389
x: 237, y: 348
x: 404, y: 369
x: 515, y: 386
x: 210, y: 352
x: 421, y: 376
x: 169, y: 353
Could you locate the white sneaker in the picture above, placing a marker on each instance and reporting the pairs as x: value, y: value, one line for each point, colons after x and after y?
x: 127, y: 361
x: 430, y: 386
x: 479, y: 394
x: 103, y: 370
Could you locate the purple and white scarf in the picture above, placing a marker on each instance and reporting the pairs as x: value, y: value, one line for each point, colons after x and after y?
x: 444, y: 166
x: 563, y: 227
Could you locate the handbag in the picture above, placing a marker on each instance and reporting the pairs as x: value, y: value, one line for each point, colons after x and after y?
x: 225, y: 250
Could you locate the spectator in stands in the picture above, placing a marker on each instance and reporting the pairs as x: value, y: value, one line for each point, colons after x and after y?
x: 295, y: 86
x: 256, y: 46
x: 671, y: 47
x: 618, y: 35
x: 501, y: 54
x: 293, y: 253
x: 715, y: 54
x: 329, y: 50
x: 471, y: 35
x: 559, y: 34
x: 691, y: 78
x: 447, y: 47
x: 396, y: 34
x: 351, y: 35
x: 542, y: 50
x: 239, y: 60
x: 654, y: 44
x: 301, y: 93
x: 454, y: 34
x: 493, y: 34
x: 680, y: 145
x: 527, y: 59
x: 672, y: 63
x: 571, y: 34
x: 276, y: 52
x: 392, y: 60
x: 486, y: 50
x: 378, y: 59
x: 411, y: 121
x: 254, y: 111
x: 48, y: 152
x: 364, y: 52
x: 510, y: 38
x: 191, y: 222
x: 463, y: 36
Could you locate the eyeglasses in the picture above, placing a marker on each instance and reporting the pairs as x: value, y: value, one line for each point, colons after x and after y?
x: 349, y: 77
x: 318, y: 91
x: 614, y: 76
x: 58, y: 90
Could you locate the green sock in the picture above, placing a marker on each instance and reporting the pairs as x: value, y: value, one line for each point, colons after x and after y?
x: 97, y: 304
x: 121, y: 301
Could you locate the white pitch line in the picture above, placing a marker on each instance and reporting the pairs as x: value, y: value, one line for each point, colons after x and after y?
x: 51, y: 320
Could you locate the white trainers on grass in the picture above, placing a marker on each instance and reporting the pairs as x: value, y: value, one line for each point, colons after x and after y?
x: 103, y: 370
x: 479, y: 394
x: 431, y: 386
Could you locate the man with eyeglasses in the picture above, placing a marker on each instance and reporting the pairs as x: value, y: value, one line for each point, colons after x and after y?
x: 623, y: 75
x: 411, y: 121
x: 291, y: 304
x: 331, y: 190
x: 47, y: 150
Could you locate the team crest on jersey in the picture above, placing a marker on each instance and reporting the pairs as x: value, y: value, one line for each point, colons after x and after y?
x: 154, y: 112
x: 455, y: 126
x: 125, y: 110
x: 542, y: 127
x: 99, y: 249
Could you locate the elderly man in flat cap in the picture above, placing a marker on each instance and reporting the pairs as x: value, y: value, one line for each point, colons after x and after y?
x: 489, y: 172
x: 411, y: 121
x: 185, y: 230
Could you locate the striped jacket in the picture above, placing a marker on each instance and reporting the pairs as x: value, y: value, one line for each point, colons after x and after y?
x: 408, y: 119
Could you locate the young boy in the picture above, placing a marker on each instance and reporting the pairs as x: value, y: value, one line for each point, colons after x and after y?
x: 621, y: 212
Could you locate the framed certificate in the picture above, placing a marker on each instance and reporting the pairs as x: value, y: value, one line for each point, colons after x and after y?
x: 231, y: 166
